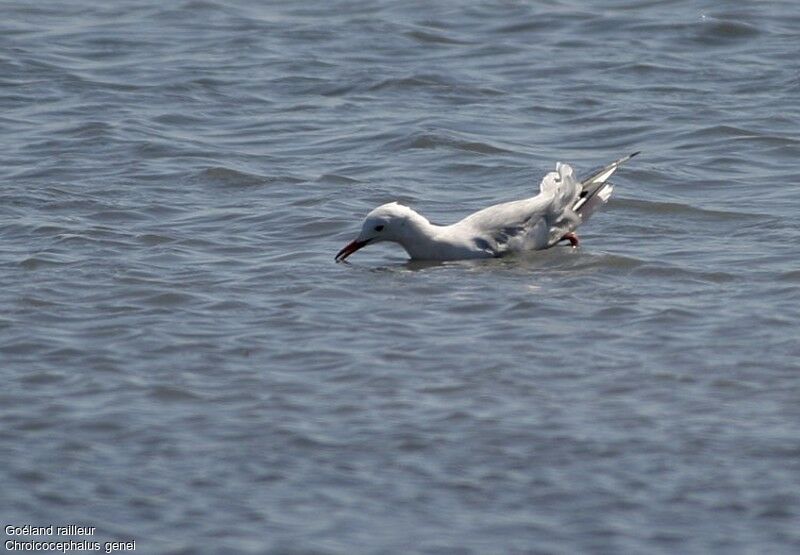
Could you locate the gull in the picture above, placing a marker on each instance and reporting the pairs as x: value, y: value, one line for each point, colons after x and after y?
x: 530, y: 224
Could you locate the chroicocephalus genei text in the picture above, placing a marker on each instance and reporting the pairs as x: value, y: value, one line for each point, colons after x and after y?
x: 535, y: 223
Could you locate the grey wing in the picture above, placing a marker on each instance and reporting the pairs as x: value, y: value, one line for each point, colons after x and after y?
x: 530, y: 234
x: 509, y: 227
x: 595, y: 189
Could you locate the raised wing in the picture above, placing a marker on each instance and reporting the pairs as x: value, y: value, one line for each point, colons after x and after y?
x: 595, y: 189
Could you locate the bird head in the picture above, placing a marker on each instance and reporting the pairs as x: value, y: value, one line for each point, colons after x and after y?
x: 385, y: 223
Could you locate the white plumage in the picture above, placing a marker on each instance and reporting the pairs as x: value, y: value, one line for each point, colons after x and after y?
x: 535, y: 223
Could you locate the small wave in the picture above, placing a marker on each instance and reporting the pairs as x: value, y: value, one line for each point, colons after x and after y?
x: 32, y: 477
x: 436, y: 140
x: 152, y: 239
x: 409, y: 82
x: 337, y: 179
x: 714, y: 30
x: 616, y: 312
x: 231, y: 178
x: 684, y: 209
x: 199, y: 5
x: 672, y: 272
x: 43, y: 378
x: 43, y: 261
x: 90, y: 130
x: 428, y: 37
x: 733, y: 132
x: 436, y: 82
x: 118, y: 215
x: 21, y: 348
x: 527, y: 26
x: 169, y: 299
x: 649, y: 68
x: 178, y: 119
x: 792, y: 276
x: 615, y: 261
x: 172, y: 394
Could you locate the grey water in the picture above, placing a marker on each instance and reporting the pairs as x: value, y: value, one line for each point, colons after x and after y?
x: 184, y: 365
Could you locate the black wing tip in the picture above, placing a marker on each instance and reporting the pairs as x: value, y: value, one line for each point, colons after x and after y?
x: 635, y: 154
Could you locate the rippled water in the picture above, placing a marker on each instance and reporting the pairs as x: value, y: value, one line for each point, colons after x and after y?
x: 183, y: 364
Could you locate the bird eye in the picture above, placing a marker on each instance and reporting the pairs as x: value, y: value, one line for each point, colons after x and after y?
x: 379, y: 227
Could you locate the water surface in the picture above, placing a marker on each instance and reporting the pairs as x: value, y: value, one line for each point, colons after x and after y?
x: 183, y: 364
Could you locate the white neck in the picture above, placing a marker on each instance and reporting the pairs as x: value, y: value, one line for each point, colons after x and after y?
x: 420, y: 238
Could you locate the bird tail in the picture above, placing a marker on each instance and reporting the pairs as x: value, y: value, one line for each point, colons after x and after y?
x: 595, y: 189
x: 562, y: 186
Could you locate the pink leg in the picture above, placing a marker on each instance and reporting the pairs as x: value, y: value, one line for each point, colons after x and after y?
x: 572, y: 238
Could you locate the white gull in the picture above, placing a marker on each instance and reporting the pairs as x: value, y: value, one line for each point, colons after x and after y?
x: 535, y: 223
